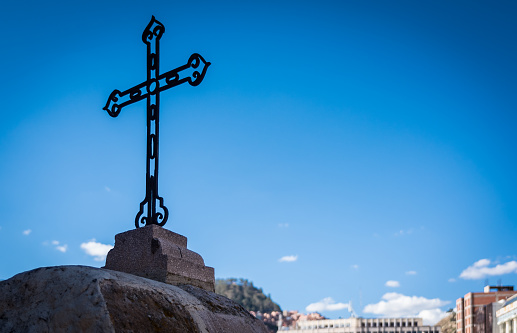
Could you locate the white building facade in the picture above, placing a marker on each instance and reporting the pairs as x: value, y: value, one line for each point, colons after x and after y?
x: 507, y: 316
x: 362, y: 325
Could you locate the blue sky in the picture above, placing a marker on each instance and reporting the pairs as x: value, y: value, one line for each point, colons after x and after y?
x: 361, y: 141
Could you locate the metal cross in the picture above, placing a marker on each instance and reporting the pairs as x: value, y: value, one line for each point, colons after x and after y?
x: 193, y: 72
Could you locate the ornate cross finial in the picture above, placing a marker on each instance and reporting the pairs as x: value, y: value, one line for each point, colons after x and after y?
x: 152, y: 209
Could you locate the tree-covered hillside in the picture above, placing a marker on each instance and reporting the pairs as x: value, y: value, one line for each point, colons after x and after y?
x: 448, y: 323
x: 246, y: 294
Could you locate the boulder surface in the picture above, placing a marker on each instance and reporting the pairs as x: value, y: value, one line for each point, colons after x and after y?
x: 87, y: 299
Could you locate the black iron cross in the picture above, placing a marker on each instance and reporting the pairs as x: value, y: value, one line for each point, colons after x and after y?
x: 152, y: 210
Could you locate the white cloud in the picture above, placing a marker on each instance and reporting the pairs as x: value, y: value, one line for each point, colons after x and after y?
x: 404, y: 232
x: 411, y: 273
x: 27, y: 232
x: 283, y: 225
x: 431, y: 317
x: 452, y: 280
x: 392, y: 284
x: 107, y: 189
x: 398, y: 305
x: 288, y: 258
x: 97, y: 250
x: 62, y: 248
x: 355, y: 266
x: 326, y: 304
x: 480, y: 269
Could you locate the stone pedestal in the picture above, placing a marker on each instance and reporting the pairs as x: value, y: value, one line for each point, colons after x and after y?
x: 159, y: 254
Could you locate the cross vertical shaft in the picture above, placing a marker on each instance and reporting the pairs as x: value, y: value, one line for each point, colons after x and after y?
x: 149, y: 207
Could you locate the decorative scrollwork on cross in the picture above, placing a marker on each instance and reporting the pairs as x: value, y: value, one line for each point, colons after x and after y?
x: 152, y: 210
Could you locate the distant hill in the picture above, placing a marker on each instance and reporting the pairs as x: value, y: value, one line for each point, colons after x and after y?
x: 246, y: 294
x: 448, y: 323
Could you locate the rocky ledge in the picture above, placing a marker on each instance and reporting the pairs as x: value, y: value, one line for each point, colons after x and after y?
x: 87, y: 299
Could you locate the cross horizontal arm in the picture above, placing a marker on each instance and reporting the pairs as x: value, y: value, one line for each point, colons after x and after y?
x: 192, y: 72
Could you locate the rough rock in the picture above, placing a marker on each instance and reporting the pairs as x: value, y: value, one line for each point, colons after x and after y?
x: 159, y: 254
x: 87, y: 299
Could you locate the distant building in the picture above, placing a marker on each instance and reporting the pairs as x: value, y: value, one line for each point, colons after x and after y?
x: 362, y: 325
x: 507, y: 316
x: 476, y: 312
x: 284, y: 320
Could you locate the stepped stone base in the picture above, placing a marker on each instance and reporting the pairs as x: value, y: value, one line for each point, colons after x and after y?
x: 159, y: 254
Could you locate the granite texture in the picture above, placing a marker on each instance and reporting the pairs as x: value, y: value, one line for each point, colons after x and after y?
x: 159, y: 254
x: 87, y: 299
